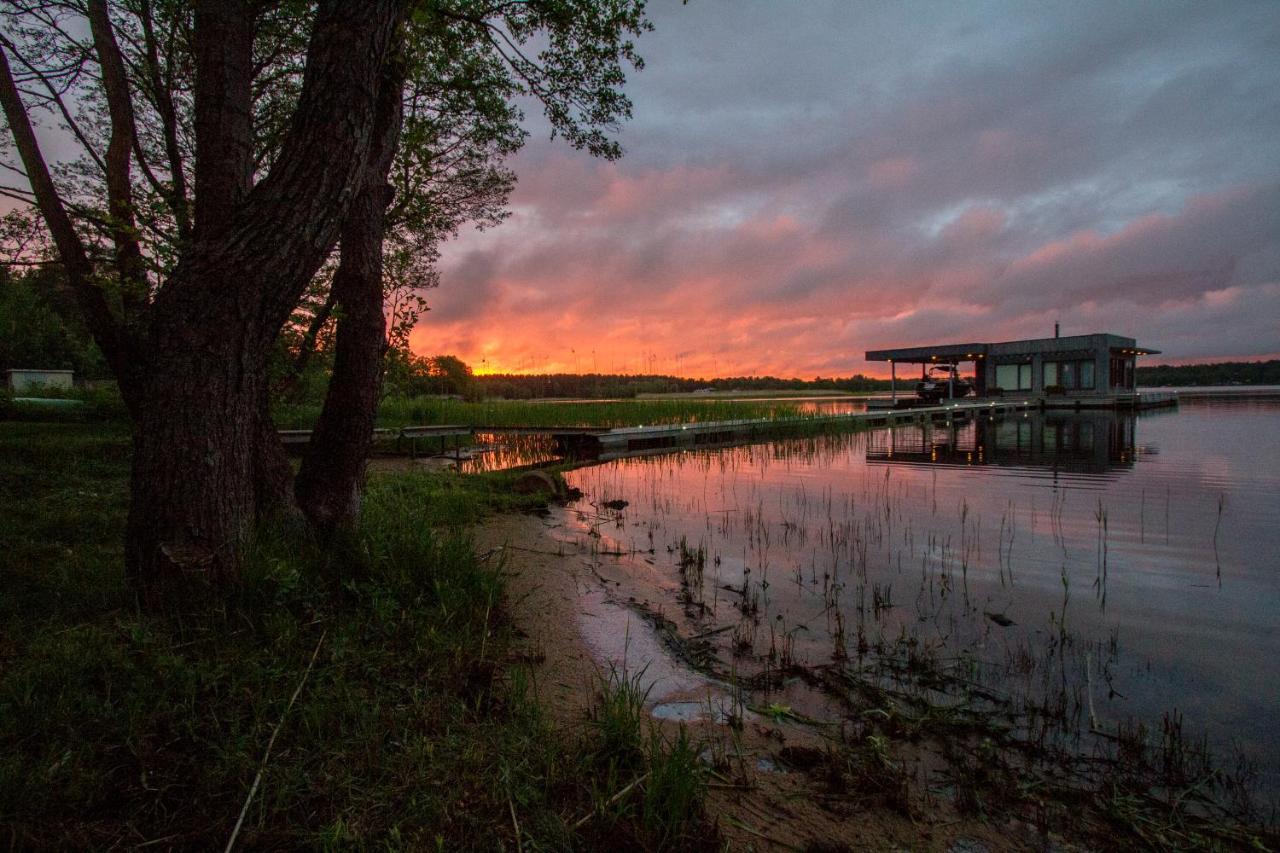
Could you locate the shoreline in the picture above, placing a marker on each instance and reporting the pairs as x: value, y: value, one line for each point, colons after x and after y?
x: 812, y: 757
x: 769, y: 793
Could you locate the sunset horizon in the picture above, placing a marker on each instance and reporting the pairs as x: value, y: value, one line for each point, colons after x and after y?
x: 802, y: 185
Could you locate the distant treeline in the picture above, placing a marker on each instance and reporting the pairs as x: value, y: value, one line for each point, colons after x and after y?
x: 597, y: 385
x: 1226, y: 373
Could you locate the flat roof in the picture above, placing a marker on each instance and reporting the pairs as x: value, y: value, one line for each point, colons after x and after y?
x: 949, y: 353
x: 937, y: 352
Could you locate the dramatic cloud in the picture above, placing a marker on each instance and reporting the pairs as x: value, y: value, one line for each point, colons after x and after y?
x: 805, y: 181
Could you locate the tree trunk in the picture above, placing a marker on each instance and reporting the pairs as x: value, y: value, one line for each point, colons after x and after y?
x: 198, y: 428
x: 272, y: 473
x: 192, y: 482
x: 328, y: 484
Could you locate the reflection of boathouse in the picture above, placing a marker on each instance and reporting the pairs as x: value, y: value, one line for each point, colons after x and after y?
x: 1086, y: 441
x: 1077, y: 370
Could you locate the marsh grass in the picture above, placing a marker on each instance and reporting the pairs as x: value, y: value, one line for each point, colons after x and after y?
x: 426, y: 411
x: 654, y: 783
x: 415, y: 726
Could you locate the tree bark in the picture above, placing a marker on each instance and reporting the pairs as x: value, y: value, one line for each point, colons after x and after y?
x: 192, y: 480
x: 328, y: 484
x: 223, y: 112
x: 272, y: 473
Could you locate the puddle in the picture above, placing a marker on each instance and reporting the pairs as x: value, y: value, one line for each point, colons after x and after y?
x: 715, y: 708
x: 618, y: 637
x: 767, y: 765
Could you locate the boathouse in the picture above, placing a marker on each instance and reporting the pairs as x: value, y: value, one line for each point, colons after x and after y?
x: 1095, y: 369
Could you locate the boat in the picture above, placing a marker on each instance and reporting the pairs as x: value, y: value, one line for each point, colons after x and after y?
x: 942, y: 382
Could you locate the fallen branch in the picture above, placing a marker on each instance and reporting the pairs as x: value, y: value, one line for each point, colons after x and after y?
x: 583, y: 821
x: 262, y: 766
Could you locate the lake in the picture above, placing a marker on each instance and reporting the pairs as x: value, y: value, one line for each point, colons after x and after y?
x: 1100, y: 570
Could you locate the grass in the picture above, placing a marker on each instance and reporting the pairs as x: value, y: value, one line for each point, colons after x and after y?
x: 752, y: 395
x: 425, y: 411
x: 651, y: 780
x: 414, y: 723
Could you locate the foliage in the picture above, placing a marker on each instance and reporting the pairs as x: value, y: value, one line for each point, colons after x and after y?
x: 514, y: 386
x: 410, y: 375
x: 38, y: 329
x: 414, y: 727
x: 469, y: 69
x: 1224, y: 373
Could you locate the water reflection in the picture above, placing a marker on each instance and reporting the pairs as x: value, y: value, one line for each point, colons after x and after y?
x: 1091, y: 442
x: 1100, y: 567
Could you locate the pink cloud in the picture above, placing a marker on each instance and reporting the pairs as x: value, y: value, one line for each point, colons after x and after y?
x: 892, y: 172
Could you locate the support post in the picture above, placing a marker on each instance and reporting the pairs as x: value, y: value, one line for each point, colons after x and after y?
x: 893, y: 382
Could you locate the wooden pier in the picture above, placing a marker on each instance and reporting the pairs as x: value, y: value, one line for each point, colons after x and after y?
x: 609, y: 443
x: 629, y: 440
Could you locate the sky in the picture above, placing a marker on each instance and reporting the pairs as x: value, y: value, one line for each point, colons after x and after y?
x: 804, y: 181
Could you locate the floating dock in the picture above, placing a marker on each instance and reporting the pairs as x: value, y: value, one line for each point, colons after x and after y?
x: 608, y: 443
x: 1127, y: 401
x: 631, y: 440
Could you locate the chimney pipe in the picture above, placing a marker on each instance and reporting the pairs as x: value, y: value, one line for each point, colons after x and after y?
x: 1055, y: 330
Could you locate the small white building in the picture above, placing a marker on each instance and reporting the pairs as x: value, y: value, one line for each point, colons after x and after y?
x: 22, y: 380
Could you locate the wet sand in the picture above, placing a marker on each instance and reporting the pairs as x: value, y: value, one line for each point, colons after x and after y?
x: 582, y: 612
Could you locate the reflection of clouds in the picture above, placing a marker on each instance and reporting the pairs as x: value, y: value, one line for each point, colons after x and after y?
x: 805, y: 183
x: 1216, y: 470
x: 1185, y: 641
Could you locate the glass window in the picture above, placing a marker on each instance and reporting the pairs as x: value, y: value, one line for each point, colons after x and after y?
x: 1086, y: 374
x: 1067, y: 375
x: 1014, y: 377
x: 1050, y: 373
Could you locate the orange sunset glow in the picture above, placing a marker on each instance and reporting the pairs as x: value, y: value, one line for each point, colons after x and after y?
x: 780, y: 211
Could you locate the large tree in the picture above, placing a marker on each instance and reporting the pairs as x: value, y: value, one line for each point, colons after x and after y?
x: 224, y: 148
x: 191, y: 353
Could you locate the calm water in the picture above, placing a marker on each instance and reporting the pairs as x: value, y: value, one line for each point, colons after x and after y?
x: 1126, y: 564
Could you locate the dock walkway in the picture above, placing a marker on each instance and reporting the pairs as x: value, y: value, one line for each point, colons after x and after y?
x: 605, y: 443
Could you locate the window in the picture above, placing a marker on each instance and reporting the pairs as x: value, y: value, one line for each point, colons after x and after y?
x: 1071, y: 375
x: 1014, y: 377
x: 1121, y: 372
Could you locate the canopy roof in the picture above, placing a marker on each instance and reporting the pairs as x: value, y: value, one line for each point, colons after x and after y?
x: 954, y: 353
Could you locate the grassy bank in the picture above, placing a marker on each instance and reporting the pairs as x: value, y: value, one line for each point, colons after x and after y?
x: 374, y: 691
x: 424, y: 411
x: 748, y: 394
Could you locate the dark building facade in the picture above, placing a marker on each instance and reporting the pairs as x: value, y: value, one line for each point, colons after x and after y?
x: 1095, y: 365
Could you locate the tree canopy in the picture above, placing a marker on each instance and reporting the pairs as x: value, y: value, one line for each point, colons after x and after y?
x: 220, y: 151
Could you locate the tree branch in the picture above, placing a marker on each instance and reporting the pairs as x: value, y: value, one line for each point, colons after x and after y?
x: 55, y: 97
x: 162, y: 97
x: 223, y: 112
x: 124, y: 232
x: 80, y: 273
